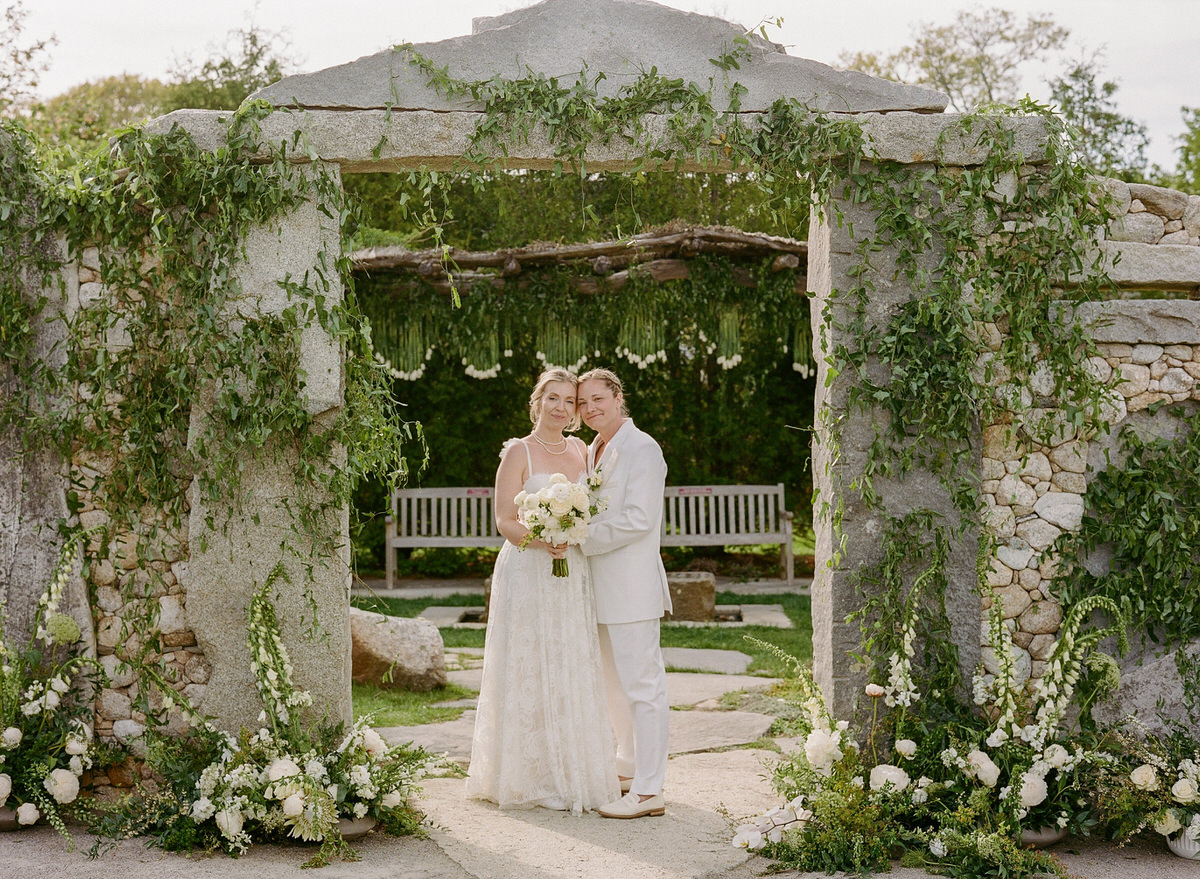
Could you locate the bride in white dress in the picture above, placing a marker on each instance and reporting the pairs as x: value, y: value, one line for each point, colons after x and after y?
x: 542, y: 731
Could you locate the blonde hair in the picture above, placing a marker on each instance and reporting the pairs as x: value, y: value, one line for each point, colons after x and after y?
x: 609, y: 377
x: 553, y: 374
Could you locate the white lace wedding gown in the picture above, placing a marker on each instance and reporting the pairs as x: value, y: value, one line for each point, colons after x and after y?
x: 542, y: 731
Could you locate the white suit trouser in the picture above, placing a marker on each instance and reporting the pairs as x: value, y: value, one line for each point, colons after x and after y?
x: 636, y: 681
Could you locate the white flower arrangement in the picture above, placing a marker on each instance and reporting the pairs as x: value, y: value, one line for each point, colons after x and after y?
x: 288, y: 779
x: 1180, y: 818
x: 45, y: 741
x: 559, y: 513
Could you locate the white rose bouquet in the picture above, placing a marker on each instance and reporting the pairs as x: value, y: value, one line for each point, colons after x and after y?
x: 559, y: 513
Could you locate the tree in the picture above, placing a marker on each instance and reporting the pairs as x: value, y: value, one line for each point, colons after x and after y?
x: 1108, y: 142
x: 975, y: 60
x: 21, y: 61
x: 1187, y: 171
x: 251, y: 59
x: 84, y: 116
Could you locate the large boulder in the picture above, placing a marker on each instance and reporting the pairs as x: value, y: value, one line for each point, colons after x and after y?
x: 406, y: 654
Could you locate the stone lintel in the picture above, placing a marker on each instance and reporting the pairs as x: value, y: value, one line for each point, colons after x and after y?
x: 379, y: 140
x: 1134, y: 321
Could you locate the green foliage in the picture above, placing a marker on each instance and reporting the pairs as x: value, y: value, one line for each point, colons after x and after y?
x: 1187, y: 169
x: 1142, y: 511
x: 252, y: 58
x: 1108, y: 143
x: 976, y: 60
x: 84, y: 117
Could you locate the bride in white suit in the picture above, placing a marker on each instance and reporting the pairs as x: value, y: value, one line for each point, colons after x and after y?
x: 630, y: 584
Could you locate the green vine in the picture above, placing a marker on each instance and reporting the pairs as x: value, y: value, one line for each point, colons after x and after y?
x: 1140, y: 519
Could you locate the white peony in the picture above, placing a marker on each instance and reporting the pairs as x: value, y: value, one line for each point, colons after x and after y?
x: 62, y: 785
x: 1184, y: 791
x: 392, y: 799
x: 5, y: 788
x: 822, y: 748
x: 1144, y: 777
x: 886, y: 775
x: 1056, y: 755
x: 374, y: 742
x: 27, y: 813
x: 10, y: 738
x: 282, y: 767
x: 982, y: 767
x: 1033, y: 790
x: 229, y: 822
x: 906, y: 748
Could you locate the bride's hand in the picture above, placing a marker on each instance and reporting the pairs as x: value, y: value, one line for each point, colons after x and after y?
x: 556, y: 552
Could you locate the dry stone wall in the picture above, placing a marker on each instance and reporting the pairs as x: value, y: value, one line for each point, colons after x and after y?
x: 1149, y: 350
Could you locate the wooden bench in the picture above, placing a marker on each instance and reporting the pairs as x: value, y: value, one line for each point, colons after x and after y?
x: 693, y: 515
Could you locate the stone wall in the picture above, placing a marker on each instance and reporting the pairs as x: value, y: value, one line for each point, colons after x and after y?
x: 1032, y: 492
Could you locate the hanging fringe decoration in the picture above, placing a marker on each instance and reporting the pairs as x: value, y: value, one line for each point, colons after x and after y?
x: 729, y: 338
x: 642, y: 340
x: 561, y: 345
x: 802, y: 357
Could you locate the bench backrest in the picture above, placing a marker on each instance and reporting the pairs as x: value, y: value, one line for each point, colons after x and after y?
x: 446, y: 516
x: 692, y: 514
x: 720, y: 514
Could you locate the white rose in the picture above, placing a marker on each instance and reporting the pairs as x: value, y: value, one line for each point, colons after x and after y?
x: 75, y: 746
x: 1184, y: 791
x: 293, y: 805
x: 374, y: 742
x: 822, y: 750
x: 315, y: 769
x: 1167, y: 823
x: 983, y: 768
x: 10, y: 738
x: 392, y: 799
x: 76, y: 765
x: 62, y: 785
x: 27, y: 813
x: 229, y: 822
x: 5, y: 788
x: 1033, y: 790
x: 906, y: 748
x: 885, y: 775
x: 1144, y: 777
x: 282, y: 767
x: 919, y: 795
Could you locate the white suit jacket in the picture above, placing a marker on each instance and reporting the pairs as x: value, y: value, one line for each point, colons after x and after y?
x: 623, y: 541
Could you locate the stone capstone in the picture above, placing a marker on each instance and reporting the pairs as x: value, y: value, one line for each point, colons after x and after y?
x: 623, y: 38
x: 1143, y: 228
x: 396, y: 652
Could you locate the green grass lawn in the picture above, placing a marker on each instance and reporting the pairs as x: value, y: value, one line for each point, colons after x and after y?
x: 401, y: 708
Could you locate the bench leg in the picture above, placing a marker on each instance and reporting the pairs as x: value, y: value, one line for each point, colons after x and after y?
x: 389, y: 553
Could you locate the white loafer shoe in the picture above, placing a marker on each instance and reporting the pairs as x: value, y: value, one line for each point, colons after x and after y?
x: 633, y: 806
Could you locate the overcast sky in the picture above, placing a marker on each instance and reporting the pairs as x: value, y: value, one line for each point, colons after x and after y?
x: 1151, y: 46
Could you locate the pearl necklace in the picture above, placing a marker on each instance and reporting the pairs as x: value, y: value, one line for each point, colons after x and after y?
x: 545, y: 445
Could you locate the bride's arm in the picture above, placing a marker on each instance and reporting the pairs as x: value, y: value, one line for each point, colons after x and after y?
x: 510, y: 477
